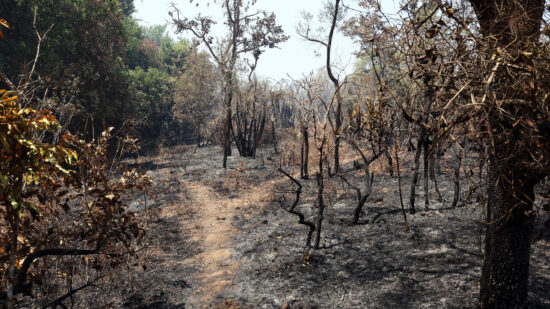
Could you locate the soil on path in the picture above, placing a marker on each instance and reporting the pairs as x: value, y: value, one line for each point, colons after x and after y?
x: 214, y: 215
x: 191, y: 262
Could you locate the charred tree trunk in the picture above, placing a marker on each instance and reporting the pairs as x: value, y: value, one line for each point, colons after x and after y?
x: 198, y: 135
x: 337, y: 129
x: 360, y: 198
x: 369, y: 180
x: 227, y: 124
x: 304, y: 169
x: 338, y: 116
x: 259, y: 132
x: 434, y: 171
x: 412, y: 199
x: 423, y: 140
x: 457, y: 180
x: 292, y: 209
x: 390, y: 161
x: 320, y: 206
x: 273, y: 136
x: 426, y: 174
x: 505, y: 274
x: 320, y: 196
x: 387, y: 145
x: 249, y: 125
x: 513, y: 26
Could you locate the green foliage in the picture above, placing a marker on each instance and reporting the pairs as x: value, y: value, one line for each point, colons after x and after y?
x: 84, y: 46
x: 59, y: 199
x: 127, y: 7
x: 97, y: 62
x: 26, y: 161
x: 196, y: 94
x: 133, y: 38
x: 151, y: 47
x: 173, y: 56
x: 152, y: 90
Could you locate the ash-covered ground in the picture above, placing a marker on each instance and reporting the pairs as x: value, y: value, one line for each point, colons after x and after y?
x: 221, y: 239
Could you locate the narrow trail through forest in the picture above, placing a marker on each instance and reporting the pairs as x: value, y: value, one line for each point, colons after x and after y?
x: 220, y: 239
x: 214, y: 215
x: 215, y: 200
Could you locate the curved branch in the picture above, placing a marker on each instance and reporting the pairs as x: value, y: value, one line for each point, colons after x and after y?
x: 300, y: 215
x: 22, y: 272
x: 329, y: 45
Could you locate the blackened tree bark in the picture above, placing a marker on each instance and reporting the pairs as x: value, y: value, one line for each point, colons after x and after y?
x: 273, y: 136
x: 511, y: 26
x: 361, y: 198
x: 304, y: 169
x: 456, y: 196
x: 422, y: 146
x: 336, y: 82
x: 292, y: 209
x: 320, y: 206
x: 390, y: 161
x: 425, y: 149
x: 412, y: 198
x: 505, y: 274
x: 249, y: 120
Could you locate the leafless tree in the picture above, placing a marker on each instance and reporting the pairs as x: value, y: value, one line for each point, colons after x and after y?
x: 249, y: 33
x: 334, y: 13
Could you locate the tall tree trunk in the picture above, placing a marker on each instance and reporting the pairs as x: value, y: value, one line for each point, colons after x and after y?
x: 505, y: 274
x: 320, y: 198
x: 273, y: 136
x: 320, y: 207
x: 412, y: 199
x: 513, y: 26
x: 227, y: 121
x: 337, y: 129
x: 435, y: 169
x: 390, y: 161
x: 304, y: 171
x: 229, y: 77
x: 259, y: 132
x: 426, y: 173
x: 336, y: 83
x: 456, y: 196
x: 227, y: 128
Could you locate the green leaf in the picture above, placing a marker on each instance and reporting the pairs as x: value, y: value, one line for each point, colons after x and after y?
x: 5, y: 143
x: 4, y: 180
x: 35, y: 210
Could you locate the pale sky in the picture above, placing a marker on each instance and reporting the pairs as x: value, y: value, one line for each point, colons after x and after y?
x: 294, y: 57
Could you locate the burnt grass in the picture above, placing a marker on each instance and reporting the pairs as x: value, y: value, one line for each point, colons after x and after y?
x: 375, y: 264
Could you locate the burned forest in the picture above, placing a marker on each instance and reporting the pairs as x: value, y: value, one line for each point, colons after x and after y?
x: 274, y: 154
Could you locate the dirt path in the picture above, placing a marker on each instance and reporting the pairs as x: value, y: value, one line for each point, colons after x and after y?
x: 213, y: 218
x: 215, y: 213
